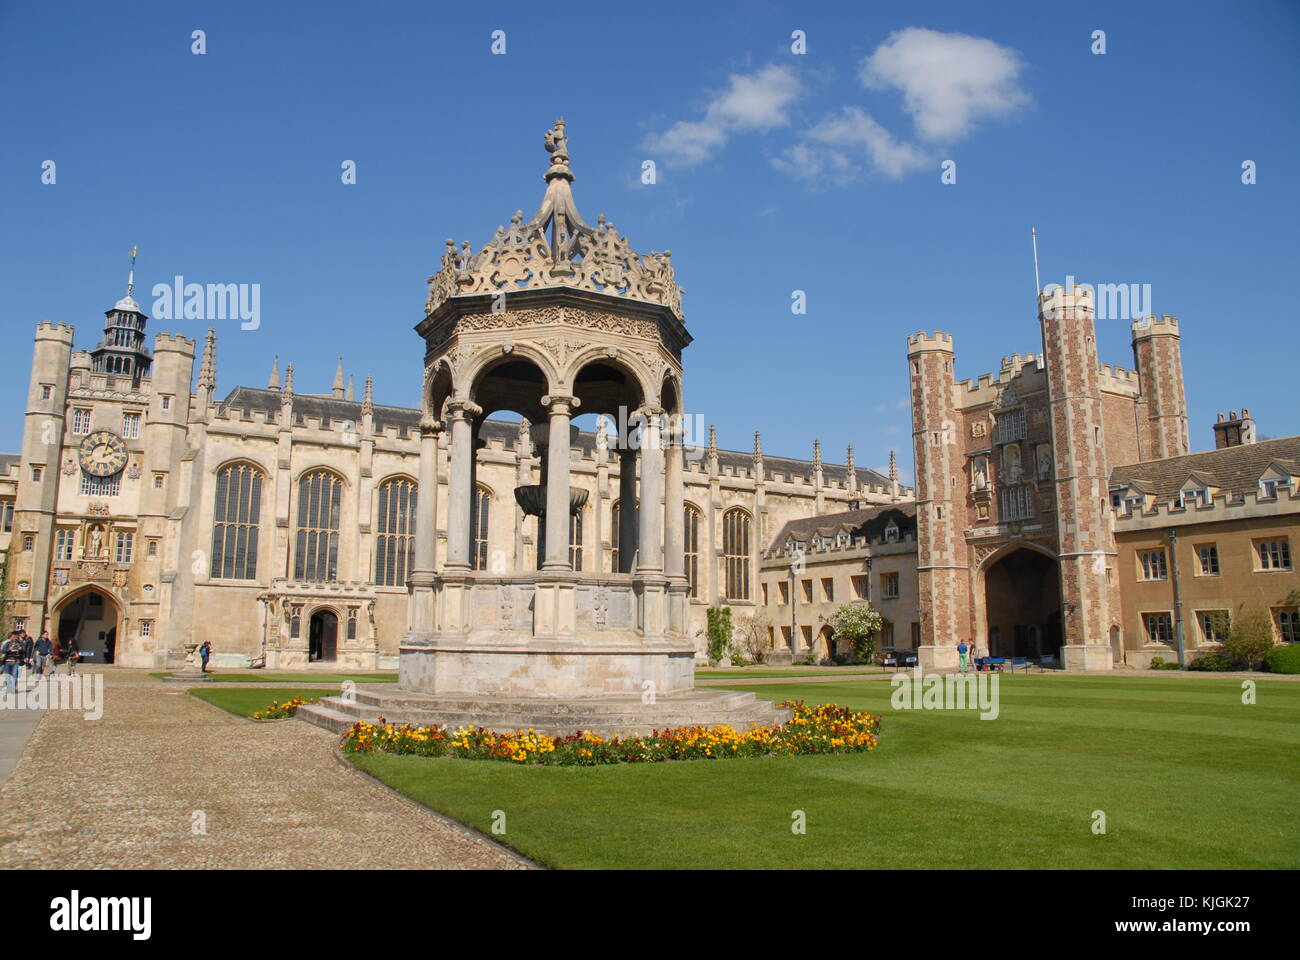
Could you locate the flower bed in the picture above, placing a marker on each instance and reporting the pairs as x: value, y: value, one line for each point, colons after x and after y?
x: 820, y: 729
x: 282, y: 711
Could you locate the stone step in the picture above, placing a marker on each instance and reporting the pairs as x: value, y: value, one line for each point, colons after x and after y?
x: 705, y: 700
x: 515, y: 719
x: 625, y: 716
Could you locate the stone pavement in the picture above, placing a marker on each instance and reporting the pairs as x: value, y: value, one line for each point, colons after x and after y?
x: 122, y: 793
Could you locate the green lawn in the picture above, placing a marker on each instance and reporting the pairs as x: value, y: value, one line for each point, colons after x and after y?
x: 244, y: 702
x: 1186, y: 775
x: 704, y: 674
x: 261, y: 676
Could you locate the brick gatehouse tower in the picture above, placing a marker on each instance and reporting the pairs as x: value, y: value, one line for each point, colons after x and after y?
x: 1016, y: 547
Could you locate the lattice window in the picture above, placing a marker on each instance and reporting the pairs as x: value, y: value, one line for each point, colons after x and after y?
x: 735, y: 552
x: 236, y: 516
x: 63, y: 544
x: 478, y: 555
x: 395, y: 532
x: 691, y: 542
x: 1154, y: 565
x: 575, y: 540
x: 1017, y: 503
x: 320, y: 499
x: 93, y: 486
x: 125, y: 546
x: 131, y: 425
x: 1274, y: 554
x: 1010, y: 426
x: 1159, y: 626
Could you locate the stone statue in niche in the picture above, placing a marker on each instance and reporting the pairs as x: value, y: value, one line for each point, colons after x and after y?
x: 1011, y: 466
x: 1044, y: 461
x: 980, y: 474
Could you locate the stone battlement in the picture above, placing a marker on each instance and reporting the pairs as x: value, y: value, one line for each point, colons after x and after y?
x: 987, y: 387
x: 1153, y: 326
x: 1225, y: 507
x: 920, y: 342
x: 62, y: 332
x: 175, y: 343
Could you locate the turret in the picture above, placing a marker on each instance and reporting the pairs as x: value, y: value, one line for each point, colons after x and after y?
x: 1157, y: 354
x: 943, y: 581
x: 1081, y: 474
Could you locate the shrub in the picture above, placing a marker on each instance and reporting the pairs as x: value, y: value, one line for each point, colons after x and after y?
x: 719, y: 633
x: 859, y: 624
x: 1251, y: 637
x: 1159, y: 663
x: 1283, y: 659
x: 1214, y: 662
x: 755, y: 639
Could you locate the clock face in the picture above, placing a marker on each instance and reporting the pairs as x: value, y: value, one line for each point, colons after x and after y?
x: 102, y: 454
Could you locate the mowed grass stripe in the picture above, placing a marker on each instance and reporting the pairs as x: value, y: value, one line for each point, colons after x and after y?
x: 1208, y: 786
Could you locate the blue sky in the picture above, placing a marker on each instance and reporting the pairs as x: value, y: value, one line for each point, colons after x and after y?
x: 776, y: 172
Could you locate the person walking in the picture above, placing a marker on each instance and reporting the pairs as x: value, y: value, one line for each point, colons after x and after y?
x: 73, y: 657
x: 29, y: 651
x: 41, y: 653
x: 962, y: 651
x: 11, y: 656
x: 205, y: 652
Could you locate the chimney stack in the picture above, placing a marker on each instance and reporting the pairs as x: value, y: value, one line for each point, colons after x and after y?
x: 1234, y: 430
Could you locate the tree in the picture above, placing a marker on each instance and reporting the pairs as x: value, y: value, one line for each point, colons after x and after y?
x: 858, y: 624
x: 719, y: 632
x: 1250, y: 637
x: 755, y: 636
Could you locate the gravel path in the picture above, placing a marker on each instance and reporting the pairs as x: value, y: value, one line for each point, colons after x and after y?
x: 121, y: 793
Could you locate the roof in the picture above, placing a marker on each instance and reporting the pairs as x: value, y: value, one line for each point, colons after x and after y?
x: 869, y: 522
x: 405, y: 419
x: 1233, y: 470
x: 8, y: 460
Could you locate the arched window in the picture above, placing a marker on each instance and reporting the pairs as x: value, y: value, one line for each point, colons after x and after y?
x: 478, y: 521
x: 395, y: 532
x: 735, y: 552
x: 316, y: 555
x: 613, y: 536
x: 575, y: 541
x: 691, y: 526
x: 236, y: 518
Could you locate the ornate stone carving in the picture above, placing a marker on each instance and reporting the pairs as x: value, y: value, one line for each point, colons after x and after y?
x: 556, y: 248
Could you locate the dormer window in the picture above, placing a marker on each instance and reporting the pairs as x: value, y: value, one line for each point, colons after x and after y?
x: 1189, y: 496
x: 891, y: 533
x: 1270, y: 486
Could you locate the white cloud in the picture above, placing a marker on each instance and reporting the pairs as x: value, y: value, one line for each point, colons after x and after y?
x: 948, y: 80
x: 752, y: 101
x: 841, y: 146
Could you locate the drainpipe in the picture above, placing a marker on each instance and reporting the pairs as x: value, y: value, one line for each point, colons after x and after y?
x: 794, y: 613
x: 1178, y: 597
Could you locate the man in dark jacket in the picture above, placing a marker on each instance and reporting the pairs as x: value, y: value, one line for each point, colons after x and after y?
x: 41, y: 653
x: 11, y: 657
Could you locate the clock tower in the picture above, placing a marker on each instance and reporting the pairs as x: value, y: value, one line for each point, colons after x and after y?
x: 122, y: 351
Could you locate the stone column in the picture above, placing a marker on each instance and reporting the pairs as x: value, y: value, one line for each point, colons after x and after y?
x: 675, y: 531
x: 426, y: 529
x: 674, y: 505
x: 627, y: 517
x: 650, y: 517
x: 558, y: 446
x: 460, y: 483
